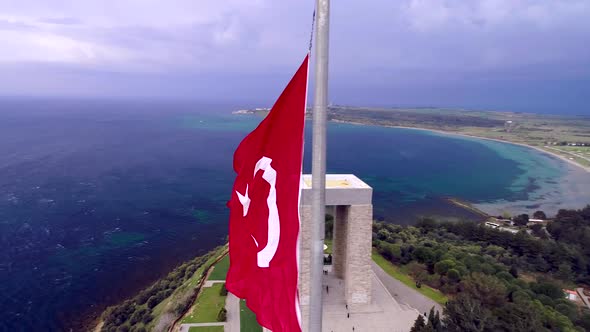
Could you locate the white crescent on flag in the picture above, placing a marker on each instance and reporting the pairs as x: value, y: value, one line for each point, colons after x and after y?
x: 274, y: 225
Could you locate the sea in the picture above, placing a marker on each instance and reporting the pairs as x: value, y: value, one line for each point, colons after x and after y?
x: 99, y: 198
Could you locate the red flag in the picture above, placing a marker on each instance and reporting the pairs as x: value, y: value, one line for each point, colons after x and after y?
x: 264, y: 211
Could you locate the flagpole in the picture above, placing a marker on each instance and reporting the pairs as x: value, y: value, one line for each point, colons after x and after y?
x: 319, y: 163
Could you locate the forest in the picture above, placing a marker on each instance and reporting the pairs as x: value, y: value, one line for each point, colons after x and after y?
x: 496, y: 281
x: 156, y: 307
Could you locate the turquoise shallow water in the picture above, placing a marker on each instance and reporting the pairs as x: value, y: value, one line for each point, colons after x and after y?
x: 542, y: 181
x: 98, y: 199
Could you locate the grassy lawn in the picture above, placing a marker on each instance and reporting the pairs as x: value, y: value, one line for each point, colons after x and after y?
x: 248, y: 321
x: 207, y: 306
x: 395, y: 272
x: 220, y: 270
x: 168, y: 304
x: 206, y: 329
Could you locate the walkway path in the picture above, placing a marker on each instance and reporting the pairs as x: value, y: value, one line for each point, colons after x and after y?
x: 383, y: 314
x: 232, y: 305
x: 394, y: 307
x: 186, y: 327
x: 209, y: 283
x: 404, y: 294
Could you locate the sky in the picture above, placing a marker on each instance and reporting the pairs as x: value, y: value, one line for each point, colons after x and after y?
x: 514, y: 55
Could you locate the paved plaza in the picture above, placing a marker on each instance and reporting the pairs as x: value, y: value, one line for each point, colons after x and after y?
x: 384, y: 313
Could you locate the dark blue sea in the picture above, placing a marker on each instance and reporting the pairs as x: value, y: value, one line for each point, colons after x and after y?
x: 100, y: 198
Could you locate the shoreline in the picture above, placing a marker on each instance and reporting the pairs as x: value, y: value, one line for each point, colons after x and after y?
x: 450, y: 133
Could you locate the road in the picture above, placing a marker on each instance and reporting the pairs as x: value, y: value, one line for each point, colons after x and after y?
x: 404, y: 294
x: 568, y: 152
x: 185, y: 327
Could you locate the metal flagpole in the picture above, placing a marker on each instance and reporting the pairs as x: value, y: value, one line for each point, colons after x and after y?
x: 318, y: 176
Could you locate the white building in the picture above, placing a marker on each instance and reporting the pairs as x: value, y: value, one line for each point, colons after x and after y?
x: 571, y: 295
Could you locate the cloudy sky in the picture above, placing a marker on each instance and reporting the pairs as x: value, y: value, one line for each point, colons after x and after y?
x: 494, y: 54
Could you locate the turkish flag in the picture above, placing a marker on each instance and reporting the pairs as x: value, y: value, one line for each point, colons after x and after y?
x: 264, y: 211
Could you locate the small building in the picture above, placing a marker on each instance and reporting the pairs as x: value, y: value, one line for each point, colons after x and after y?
x: 509, y: 230
x: 537, y: 220
x: 571, y: 295
x: 506, y: 221
x: 500, y: 227
x: 491, y: 224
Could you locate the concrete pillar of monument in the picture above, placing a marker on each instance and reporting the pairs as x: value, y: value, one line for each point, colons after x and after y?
x: 351, y: 251
x: 304, y: 255
x: 358, y: 254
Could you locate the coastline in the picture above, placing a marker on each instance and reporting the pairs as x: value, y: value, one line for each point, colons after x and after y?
x: 573, y: 191
x: 182, y: 289
x: 455, y: 201
x: 450, y: 133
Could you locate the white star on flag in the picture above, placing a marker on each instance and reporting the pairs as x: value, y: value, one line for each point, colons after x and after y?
x: 245, y: 200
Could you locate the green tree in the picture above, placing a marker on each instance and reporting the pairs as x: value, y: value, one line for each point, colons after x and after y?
x: 453, y: 275
x: 522, y: 317
x: 503, y: 275
x: 564, y: 272
x: 434, y: 321
x: 427, y: 224
x: 537, y: 230
x: 554, y: 320
x: 520, y: 296
x: 567, y: 309
x: 423, y: 254
x: 487, y: 268
x: 383, y: 234
x: 487, y: 289
x: 391, y: 251
x: 122, y: 328
x: 494, y: 250
x: 153, y: 301
x: 466, y: 314
x: 419, y: 324
x: 521, y: 220
x: 137, y: 316
x: 549, y: 289
x: 222, y: 315
x: 147, y: 318
x: 584, y: 321
x: 143, y: 296
x: 443, y: 266
x: 539, y: 215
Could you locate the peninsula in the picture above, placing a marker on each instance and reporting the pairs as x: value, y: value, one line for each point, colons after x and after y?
x: 566, y: 137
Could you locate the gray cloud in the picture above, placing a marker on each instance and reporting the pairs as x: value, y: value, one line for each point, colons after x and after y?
x: 61, y: 20
x: 391, y: 46
x: 15, y: 25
